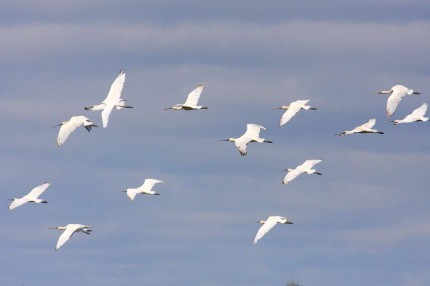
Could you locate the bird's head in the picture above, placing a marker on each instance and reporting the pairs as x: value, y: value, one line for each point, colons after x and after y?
x: 62, y: 123
x: 228, y: 140
x: 288, y: 170
x: 261, y: 221
x: 385, y: 91
x: 58, y: 227
x: 284, y: 107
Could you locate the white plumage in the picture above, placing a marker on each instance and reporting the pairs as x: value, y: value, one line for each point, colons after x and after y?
x: 397, y: 93
x: 32, y: 196
x: 69, y: 230
x: 192, y: 100
x: 252, y: 134
x: 145, y: 189
x: 416, y: 115
x: 113, y: 99
x: 268, y: 224
x: 67, y: 127
x: 364, y: 128
x: 292, y: 110
x: 306, y: 167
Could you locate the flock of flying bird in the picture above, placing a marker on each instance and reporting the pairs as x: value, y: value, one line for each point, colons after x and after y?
x: 252, y: 134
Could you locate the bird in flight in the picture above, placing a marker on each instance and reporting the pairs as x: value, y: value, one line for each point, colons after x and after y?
x: 145, y: 189
x: 69, y: 230
x: 268, y: 224
x: 416, y: 115
x: 113, y: 99
x: 67, y: 127
x: 192, y: 100
x: 306, y: 167
x: 292, y: 110
x: 32, y: 197
x: 364, y: 128
x: 397, y: 93
x: 252, y: 134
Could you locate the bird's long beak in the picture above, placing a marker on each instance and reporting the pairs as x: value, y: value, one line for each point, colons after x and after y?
x: 224, y: 140
x: 288, y: 222
x: 416, y: 92
x: 57, y: 125
x: 167, y: 108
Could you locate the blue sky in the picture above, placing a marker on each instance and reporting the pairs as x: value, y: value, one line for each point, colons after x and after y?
x: 364, y: 221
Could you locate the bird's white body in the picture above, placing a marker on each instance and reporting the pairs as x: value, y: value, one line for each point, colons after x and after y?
x: 416, y: 115
x: 192, y: 100
x: 397, y: 93
x: 67, y: 127
x: 113, y: 99
x: 32, y: 196
x: 268, y: 224
x: 252, y: 134
x: 292, y: 110
x: 69, y: 230
x: 306, y: 167
x: 145, y: 189
x: 364, y: 128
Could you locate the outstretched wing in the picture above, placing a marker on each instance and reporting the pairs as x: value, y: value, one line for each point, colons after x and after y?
x: 194, y: 96
x: 65, y: 131
x: 265, y: 228
x: 420, y: 111
x: 253, y: 130
x: 394, y: 100
x: 289, y: 114
x: 369, y: 124
x: 65, y: 236
x: 37, y: 191
x: 131, y: 193
x: 105, y: 114
x: 242, y: 145
x: 115, y: 90
x: 149, y: 184
x: 291, y: 175
x: 308, y: 164
x: 17, y: 202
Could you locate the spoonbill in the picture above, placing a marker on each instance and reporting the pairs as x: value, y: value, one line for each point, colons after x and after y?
x: 306, y: 167
x: 397, y: 93
x: 365, y: 128
x: 113, y: 99
x: 416, y: 115
x: 292, y: 110
x: 192, y: 100
x: 67, y: 127
x: 69, y: 230
x: 32, y: 196
x: 268, y: 224
x: 145, y: 189
x: 252, y: 134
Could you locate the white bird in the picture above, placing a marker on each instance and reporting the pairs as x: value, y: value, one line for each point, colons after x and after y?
x: 365, y: 128
x: 145, y: 189
x: 192, y: 100
x: 113, y: 99
x: 67, y: 127
x: 32, y: 196
x: 306, y: 167
x: 416, y: 115
x: 252, y: 134
x: 397, y: 93
x: 268, y: 224
x: 292, y: 110
x: 69, y: 230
